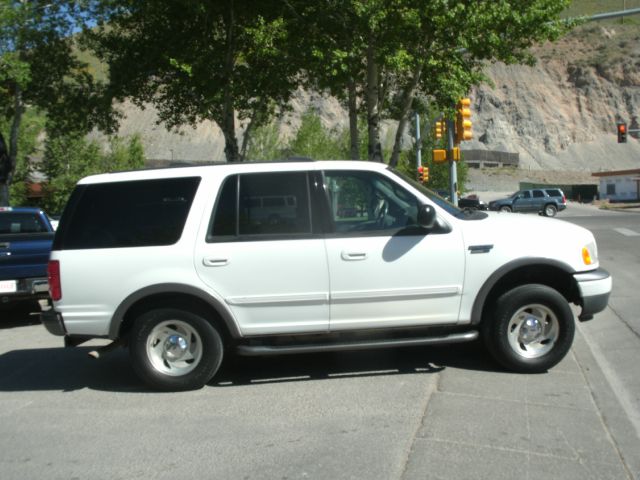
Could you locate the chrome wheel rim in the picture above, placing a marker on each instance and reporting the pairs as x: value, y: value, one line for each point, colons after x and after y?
x: 550, y: 211
x: 174, y: 348
x: 533, y: 331
x: 505, y: 209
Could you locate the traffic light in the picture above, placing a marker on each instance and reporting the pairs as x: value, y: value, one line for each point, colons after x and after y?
x: 439, y: 129
x: 622, y: 132
x: 423, y: 174
x: 463, y: 121
x: 439, y: 156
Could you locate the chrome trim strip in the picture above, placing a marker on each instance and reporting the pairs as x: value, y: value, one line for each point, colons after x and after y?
x: 400, y: 293
x: 302, y: 298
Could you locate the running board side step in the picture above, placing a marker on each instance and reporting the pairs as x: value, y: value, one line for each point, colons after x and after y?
x: 262, y: 350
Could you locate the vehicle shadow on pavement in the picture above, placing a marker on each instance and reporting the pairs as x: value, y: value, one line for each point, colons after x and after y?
x: 66, y: 369
x: 239, y: 370
x: 71, y: 369
x: 24, y: 314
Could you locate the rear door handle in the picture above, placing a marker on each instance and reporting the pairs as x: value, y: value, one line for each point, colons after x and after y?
x: 215, y: 262
x: 353, y: 256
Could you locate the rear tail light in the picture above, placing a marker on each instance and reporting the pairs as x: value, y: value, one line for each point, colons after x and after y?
x: 564, y: 199
x: 53, y: 272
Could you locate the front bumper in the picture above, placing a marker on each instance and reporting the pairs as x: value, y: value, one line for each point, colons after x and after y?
x: 595, y: 289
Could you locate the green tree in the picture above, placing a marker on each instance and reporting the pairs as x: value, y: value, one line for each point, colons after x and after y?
x: 39, y: 69
x: 69, y: 158
x: 32, y: 126
x: 265, y: 143
x: 198, y: 60
x: 388, y: 51
x: 314, y: 141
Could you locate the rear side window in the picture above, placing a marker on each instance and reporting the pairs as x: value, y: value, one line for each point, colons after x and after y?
x: 265, y: 204
x: 554, y: 192
x: 17, y: 222
x: 126, y: 214
x: 538, y: 194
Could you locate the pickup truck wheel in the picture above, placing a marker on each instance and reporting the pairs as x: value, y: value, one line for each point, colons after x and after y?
x: 174, y: 349
x: 550, y: 210
x: 531, y: 329
x: 505, y: 208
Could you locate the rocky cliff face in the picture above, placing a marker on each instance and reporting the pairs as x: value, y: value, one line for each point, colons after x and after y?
x: 559, y: 115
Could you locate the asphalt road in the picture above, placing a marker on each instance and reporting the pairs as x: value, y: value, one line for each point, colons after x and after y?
x: 421, y: 413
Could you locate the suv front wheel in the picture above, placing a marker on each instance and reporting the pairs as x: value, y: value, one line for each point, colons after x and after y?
x: 173, y: 349
x: 531, y: 328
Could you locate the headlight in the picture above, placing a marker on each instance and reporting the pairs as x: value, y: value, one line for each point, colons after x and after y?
x: 590, y: 254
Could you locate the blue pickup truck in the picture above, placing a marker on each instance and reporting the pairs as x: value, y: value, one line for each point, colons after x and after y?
x: 26, y: 235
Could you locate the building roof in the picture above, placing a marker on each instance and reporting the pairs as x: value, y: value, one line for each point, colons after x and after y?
x: 617, y: 173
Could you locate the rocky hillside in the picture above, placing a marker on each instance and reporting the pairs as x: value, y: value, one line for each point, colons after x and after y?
x: 559, y: 115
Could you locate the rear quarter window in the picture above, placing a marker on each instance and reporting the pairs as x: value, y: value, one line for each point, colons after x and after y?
x: 139, y: 213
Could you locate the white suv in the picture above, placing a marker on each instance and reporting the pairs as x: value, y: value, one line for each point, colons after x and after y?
x: 184, y: 264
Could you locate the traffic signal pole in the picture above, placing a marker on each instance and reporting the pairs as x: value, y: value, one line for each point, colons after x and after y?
x: 418, y: 142
x: 453, y: 171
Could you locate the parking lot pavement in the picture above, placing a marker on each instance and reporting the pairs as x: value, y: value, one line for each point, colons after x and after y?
x: 563, y: 424
x: 398, y: 414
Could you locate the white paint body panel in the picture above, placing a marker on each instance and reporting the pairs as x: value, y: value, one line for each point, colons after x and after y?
x: 395, y: 281
x: 270, y: 286
x: 315, y: 284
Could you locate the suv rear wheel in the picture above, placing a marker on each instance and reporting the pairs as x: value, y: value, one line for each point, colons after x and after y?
x: 173, y: 349
x: 531, y: 329
x: 550, y: 210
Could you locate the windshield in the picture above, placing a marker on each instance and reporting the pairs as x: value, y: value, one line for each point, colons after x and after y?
x: 465, y: 214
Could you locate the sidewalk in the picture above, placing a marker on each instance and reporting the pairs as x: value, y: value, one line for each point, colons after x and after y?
x: 620, y: 207
x: 566, y: 424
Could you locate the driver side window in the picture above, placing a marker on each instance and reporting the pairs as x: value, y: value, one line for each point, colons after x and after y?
x: 365, y: 201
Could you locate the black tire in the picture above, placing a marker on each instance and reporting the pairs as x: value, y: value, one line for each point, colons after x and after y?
x: 550, y: 210
x: 505, y: 208
x: 174, y: 350
x: 530, y: 330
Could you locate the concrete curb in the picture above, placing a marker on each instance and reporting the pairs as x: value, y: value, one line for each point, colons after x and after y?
x: 612, y: 415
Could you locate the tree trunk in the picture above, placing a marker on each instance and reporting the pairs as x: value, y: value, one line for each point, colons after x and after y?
x: 246, y: 136
x: 407, y: 101
x: 354, y: 134
x: 9, y: 162
x: 373, y: 105
x: 229, y: 120
x: 5, y: 167
x: 230, y: 139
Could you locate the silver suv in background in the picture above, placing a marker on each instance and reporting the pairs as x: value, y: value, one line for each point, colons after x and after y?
x: 546, y: 201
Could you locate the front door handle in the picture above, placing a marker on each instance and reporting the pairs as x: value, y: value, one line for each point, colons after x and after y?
x: 215, y: 262
x: 353, y: 256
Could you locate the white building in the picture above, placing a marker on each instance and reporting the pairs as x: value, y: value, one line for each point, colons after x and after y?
x: 620, y: 185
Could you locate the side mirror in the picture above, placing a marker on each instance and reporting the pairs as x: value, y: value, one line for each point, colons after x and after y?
x: 426, y: 216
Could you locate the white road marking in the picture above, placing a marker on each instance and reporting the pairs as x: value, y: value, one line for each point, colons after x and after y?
x: 627, y: 232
